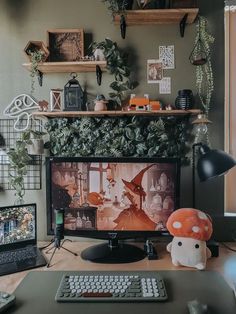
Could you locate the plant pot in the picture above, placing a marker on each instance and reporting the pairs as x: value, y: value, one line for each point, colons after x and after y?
x: 100, y: 105
x: 153, y: 4
x: 33, y: 46
x: 99, y: 55
x: 36, y: 147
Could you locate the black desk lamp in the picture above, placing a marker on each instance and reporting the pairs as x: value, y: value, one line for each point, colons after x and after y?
x: 211, y: 163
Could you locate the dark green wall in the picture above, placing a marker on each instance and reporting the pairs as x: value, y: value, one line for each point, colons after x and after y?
x: 21, y: 21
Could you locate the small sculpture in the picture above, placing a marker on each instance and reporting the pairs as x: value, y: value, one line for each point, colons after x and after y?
x: 100, y: 103
x: 191, y: 229
x: 43, y: 105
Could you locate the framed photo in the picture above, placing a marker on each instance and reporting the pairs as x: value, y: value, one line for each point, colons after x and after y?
x: 66, y: 44
x: 154, y: 71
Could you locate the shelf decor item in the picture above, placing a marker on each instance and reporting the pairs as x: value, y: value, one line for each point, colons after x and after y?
x: 151, y: 4
x: 184, y: 100
x: 66, y: 44
x: 117, y: 65
x: 35, y: 46
x: 56, y: 99
x: 36, y: 52
x: 119, y: 8
x: 73, y: 95
x: 202, y: 61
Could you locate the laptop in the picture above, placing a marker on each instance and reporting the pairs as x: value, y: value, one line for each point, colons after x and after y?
x: 18, y: 239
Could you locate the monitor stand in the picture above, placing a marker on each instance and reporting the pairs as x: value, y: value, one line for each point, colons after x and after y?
x: 113, y: 252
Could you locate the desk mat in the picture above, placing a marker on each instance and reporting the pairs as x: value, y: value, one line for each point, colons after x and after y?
x: 36, y: 294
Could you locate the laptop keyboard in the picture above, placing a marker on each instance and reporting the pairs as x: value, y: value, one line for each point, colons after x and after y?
x: 17, y: 255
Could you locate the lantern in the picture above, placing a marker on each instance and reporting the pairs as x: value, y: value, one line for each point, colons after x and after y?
x: 73, y: 95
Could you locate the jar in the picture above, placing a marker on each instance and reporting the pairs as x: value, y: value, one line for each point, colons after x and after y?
x: 184, y: 100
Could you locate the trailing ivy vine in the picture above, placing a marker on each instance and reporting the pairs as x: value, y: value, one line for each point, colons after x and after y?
x: 112, y: 136
x: 204, y: 73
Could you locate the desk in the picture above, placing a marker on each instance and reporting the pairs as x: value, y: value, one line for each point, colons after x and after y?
x: 224, y: 264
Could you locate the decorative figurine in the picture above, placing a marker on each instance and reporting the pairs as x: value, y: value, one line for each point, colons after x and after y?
x: 43, y: 105
x: 100, y: 103
x: 191, y: 229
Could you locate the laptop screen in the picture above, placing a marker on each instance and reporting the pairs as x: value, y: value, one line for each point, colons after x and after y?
x: 17, y: 225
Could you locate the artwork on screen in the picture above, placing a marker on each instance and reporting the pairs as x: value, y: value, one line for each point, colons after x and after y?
x: 113, y: 195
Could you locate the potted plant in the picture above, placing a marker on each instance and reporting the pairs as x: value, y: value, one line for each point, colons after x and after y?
x: 119, y: 7
x: 37, y: 52
x: 117, y: 64
x: 200, y: 57
x: 31, y: 143
x: 19, y: 159
x: 34, y: 141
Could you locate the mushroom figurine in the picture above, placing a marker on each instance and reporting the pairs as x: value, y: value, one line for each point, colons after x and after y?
x: 191, y: 229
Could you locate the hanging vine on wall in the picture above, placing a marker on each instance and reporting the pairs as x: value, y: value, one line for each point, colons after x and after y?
x: 117, y: 65
x: 201, y: 58
x: 137, y: 137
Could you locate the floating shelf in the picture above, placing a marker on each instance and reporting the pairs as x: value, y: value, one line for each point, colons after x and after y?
x: 152, y: 17
x: 73, y: 114
x: 66, y: 67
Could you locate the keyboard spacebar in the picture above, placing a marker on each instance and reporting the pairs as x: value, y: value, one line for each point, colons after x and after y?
x: 97, y: 294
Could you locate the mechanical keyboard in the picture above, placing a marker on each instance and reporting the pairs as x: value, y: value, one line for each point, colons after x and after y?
x: 118, y: 286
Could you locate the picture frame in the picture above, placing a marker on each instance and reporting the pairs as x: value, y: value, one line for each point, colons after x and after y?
x: 66, y: 44
x: 154, y: 71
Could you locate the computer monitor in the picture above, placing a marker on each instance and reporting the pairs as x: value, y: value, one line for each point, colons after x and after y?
x: 112, y: 199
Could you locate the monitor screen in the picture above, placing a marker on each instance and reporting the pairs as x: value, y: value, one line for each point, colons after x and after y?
x: 112, y: 197
x: 17, y: 224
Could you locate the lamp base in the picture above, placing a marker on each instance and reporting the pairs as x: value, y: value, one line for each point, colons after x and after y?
x: 213, y: 246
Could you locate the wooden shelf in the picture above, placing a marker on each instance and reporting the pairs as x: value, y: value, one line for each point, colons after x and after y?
x: 152, y: 17
x: 66, y: 67
x: 72, y: 114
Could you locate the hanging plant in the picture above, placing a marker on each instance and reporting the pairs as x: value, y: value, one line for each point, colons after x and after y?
x: 117, y: 64
x: 201, y: 58
x: 37, y: 56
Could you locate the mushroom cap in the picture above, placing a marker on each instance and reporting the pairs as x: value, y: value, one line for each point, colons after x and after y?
x: 190, y: 223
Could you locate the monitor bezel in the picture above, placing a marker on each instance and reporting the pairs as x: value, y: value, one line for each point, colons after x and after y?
x: 108, y: 234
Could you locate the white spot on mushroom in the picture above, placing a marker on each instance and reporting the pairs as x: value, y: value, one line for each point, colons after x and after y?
x: 206, y: 228
x: 195, y: 229
x: 202, y: 215
x: 177, y: 224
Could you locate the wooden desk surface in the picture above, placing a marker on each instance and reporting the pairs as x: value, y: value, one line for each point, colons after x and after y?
x: 62, y: 260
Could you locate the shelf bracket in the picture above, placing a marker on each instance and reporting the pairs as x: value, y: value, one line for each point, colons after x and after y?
x: 182, y: 24
x: 40, y: 78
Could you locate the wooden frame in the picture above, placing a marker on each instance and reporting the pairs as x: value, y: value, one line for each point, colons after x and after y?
x: 66, y: 44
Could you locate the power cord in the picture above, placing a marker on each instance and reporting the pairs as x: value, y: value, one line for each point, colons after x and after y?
x: 228, y: 247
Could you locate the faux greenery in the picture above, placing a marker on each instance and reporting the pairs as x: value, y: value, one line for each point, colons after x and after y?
x: 204, y: 73
x: 116, y: 6
x: 36, y: 57
x: 19, y: 160
x: 112, y: 136
x: 117, y: 64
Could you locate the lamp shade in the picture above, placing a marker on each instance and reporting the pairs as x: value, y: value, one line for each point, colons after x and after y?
x: 213, y: 163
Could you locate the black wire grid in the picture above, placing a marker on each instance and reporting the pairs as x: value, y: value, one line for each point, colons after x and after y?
x: 8, y: 137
